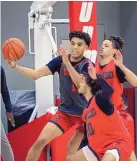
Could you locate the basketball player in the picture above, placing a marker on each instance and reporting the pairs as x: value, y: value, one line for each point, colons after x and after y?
x: 72, y: 104
x: 113, y: 70
x: 6, y: 150
x: 108, y: 138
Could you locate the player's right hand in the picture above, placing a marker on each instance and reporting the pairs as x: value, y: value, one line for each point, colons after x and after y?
x: 11, y: 62
x: 92, y: 71
x: 62, y: 52
x: 10, y: 117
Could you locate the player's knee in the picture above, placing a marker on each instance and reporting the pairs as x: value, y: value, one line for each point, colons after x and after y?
x: 132, y: 157
x: 69, y: 158
x: 108, y: 157
x: 69, y: 145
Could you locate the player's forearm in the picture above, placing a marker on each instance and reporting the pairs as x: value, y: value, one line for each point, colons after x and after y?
x: 75, y: 76
x: 129, y: 75
x: 6, y: 100
x: 107, y: 89
x: 5, y: 93
x: 30, y: 73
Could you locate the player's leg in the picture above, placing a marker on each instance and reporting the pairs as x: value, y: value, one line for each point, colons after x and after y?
x: 109, y: 157
x: 56, y: 126
x: 49, y: 132
x: 84, y: 141
x: 79, y: 156
x: 121, y: 150
x: 74, y: 142
x: 128, y: 121
x: 133, y: 157
x: 84, y: 154
x: 6, y: 150
x: 113, y: 154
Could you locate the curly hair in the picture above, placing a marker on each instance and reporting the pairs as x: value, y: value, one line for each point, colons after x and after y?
x: 94, y: 87
x: 117, y: 42
x: 81, y: 35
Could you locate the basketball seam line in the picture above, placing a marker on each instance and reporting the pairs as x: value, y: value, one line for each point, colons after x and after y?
x: 13, y: 50
x: 8, y: 52
x: 13, y: 43
x: 18, y: 46
x: 7, y: 44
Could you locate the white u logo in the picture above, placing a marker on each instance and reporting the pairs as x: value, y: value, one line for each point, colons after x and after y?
x: 86, y: 11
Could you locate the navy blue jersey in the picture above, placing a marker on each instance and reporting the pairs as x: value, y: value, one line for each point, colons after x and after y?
x: 71, y: 101
x: 5, y: 91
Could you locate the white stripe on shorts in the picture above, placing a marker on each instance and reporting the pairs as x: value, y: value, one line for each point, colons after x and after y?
x: 89, y: 155
x: 115, y: 153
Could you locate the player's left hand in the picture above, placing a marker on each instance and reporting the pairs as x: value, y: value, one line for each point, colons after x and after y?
x: 10, y: 117
x: 118, y: 58
x: 62, y: 52
x: 92, y: 71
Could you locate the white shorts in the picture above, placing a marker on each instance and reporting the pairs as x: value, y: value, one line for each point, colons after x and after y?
x: 90, y: 156
x: 115, y: 153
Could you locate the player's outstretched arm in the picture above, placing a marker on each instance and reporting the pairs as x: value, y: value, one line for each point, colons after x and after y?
x: 129, y: 75
x: 31, y: 73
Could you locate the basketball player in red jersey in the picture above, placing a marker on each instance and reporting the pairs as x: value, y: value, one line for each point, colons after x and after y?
x: 113, y: 70
x: 108, y: 138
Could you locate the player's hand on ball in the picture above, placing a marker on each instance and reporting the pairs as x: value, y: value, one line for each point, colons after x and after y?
x: 11, y: 62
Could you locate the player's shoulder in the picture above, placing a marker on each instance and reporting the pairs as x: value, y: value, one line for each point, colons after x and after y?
x: 2, y: 70
x: 86, y: 61
x: 1, y: 67
x: 58, y: 58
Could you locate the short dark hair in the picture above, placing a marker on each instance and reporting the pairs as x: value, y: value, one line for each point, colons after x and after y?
x: 117, y: 41
x: 82, y: 35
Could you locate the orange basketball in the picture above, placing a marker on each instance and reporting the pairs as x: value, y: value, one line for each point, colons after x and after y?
x: 13, y: 48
